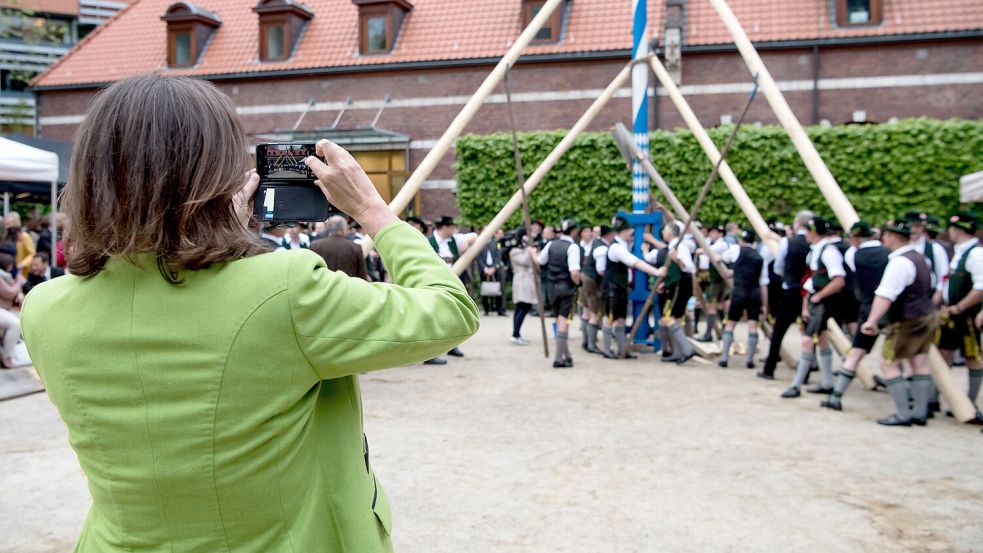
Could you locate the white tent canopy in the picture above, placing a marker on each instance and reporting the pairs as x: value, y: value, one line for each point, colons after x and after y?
x: 971, y: 188
x: 22, y: 163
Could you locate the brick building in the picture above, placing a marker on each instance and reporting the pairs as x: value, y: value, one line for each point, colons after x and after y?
x: 386, y: 77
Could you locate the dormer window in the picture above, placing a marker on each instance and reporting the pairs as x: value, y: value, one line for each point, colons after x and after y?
x: 281, y: 22
x: 189, y: 29
x: 550, y: 31
x: 379, y: 22
x: 858, y: 12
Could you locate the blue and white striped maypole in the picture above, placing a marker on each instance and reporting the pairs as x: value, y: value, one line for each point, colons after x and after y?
x: 639, y: 177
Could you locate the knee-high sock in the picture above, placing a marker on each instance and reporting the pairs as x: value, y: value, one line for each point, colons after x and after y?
x: 826, y: 366
x: 583, y: 331
x: 802, y: 369
x: 591, y: 336
x: 728, y: 340
x: 680, y: 344
x: 711, y: 320
x: 620, y: 338
x: 690, y: 328
x: 843, y: 382
x: 975, y: 379
x: 606, y: 336
x: 752, y: 346
x: 562, y: 351
x: 921, y: 389
x: 899, y: 393
x: 664, y: 338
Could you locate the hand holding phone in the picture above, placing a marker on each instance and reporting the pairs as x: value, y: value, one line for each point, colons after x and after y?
x: 348, y: 187
x: 287, y: 191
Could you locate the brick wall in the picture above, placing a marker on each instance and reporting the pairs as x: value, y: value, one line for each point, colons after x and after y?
x: 701, y: 70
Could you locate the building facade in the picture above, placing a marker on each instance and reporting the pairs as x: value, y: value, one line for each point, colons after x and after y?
x: 386, y: 77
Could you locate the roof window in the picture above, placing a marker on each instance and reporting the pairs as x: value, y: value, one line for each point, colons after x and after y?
x: 189, y: 29
x: 858, y: 12
x: 281, y: 22
x: 550, y: 31
x: 379, y: 22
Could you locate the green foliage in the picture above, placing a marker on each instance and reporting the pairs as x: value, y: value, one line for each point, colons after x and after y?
x: 883, y: 169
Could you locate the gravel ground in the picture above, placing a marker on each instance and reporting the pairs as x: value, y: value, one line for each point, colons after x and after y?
x: 498, y: 452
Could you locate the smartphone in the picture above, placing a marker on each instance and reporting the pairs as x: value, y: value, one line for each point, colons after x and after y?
x: 288, y: 191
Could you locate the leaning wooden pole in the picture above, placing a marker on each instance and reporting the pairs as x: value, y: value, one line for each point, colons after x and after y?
x: 744, y: 201
x: 433, y: 157
x: 807, y: 150
x: 515, y: 202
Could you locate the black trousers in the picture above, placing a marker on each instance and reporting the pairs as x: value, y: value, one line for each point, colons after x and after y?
x: 789, y: 309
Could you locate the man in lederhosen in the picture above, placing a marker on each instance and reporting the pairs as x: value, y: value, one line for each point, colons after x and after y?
x: 675, y: 263
x: 791, y: 263
x: 449, y: 245
x: 846, y: 305
x: 828, y: 278
x: 750, y: 291
x: 561, y: 258
x: 904, y: 296
x: 935, y: 254
x: 716, y: 287
x: 617, y: 280
x: 591, y: 283
x: 586, y: 244
x: 867, y: 258
x: 774, y: 279
x: 961, y: 299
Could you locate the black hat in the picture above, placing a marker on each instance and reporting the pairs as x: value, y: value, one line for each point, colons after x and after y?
x: 834, y: 225
x: 916, y: 217
x: 568, y: 225
x: 620, y: 223
x: 606, y: 230
x: 964, y: 220
x: 749, y: 236
x: 444, y: 221
x: 861, y: 229
x: 901, y: 225
x: 819, y: 225
x: 933, y: 224
x: 416, y: 220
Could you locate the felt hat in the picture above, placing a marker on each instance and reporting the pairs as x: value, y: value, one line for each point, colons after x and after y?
x: 901, y: 225
x: 861, y: 229
x: 445, y: 221
x: 620, y: 224
x: 964, y: 220
x: 819, y: 225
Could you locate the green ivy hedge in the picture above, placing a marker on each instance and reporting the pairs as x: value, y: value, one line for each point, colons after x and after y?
x: 883, y: 169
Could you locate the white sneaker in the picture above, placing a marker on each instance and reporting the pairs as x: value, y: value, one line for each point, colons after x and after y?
x: 520, y: 341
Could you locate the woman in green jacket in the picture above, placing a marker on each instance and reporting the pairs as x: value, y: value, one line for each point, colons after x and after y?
x: 209, y: 387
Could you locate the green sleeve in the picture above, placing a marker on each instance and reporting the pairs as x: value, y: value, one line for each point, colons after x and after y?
x: 346, y: 325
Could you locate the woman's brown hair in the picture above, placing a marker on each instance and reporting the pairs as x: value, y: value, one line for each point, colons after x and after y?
x: 157, y: 163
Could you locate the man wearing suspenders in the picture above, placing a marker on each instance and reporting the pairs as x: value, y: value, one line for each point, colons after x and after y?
x: 617, y: 280
x: 961, y: 299
x: 591, y: 282
x: 675, y: 262
x: 561, y: 259
x: 449, y: 245
x: 750, y: 293
x: 935, y: 254
x: 791, y: 265
x: 904, y: 296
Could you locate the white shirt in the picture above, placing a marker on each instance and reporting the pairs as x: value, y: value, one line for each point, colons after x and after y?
x: 974, y: 264
x: 600, y: 255
x: 573, y: 254
x: 731, y: 255
x: 683, y: 253
x: 831, y: 257
x: 586, y: 246
x: 278, y: 240
x: 850, y: 257
x: 783, y: 254
x: 618, y: 252
x: 443, y: 244
x: 303, y: 241
x: 940, y: 262
x: 898, y: 275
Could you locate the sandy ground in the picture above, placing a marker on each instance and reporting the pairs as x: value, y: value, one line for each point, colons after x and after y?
x: 498, y: 452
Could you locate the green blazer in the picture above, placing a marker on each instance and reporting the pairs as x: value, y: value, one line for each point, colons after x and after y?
x: 223, y: 414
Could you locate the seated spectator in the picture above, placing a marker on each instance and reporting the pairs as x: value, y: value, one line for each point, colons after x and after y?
x: 23, y: 243
x: 10, y: 294
x: 41, y: 271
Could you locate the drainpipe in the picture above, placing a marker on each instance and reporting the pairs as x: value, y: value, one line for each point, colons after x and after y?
x: 815, y: 85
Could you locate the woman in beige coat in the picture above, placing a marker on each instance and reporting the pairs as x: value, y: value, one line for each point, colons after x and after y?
x: 523, y: 288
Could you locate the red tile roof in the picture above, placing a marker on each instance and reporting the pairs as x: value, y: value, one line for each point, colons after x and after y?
x: 135, y: 41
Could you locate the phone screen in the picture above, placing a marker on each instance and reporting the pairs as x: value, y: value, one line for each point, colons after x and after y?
x: 284, y: 161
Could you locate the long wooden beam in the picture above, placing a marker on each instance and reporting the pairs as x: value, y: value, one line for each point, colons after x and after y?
x: 433, y: 157
x: 515, y: 202
x: 733, y: 185
x: 807, y: 150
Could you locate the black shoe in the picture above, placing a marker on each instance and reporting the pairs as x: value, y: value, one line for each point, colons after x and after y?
x: 503, y: 314
x: 879, y: 382
x: 686, y: 358
x: 705, y: 338
x: 791, y: 392
x: 435, y: 361
x: 919, y: 422
x: 820, y: 390
x: 565, y: 364
x: 894, y: 420
x: 832, y: 403
x: 590, y: 349
x: 765, y: 376
x: 608, y: 355
x: 976, y: 420
x: 750, y: 365
x: 630, y: 355
x: 666, y: 355
x: 456, y: 352
x: 934, y: 407
x: 722, y: 364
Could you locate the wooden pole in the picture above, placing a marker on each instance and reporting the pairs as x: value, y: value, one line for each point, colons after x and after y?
x: 433, y: 157
x: 515, y: 202
x: 820, y: 173
x: 520, y: 175
x: 733, y: 185
x: 962, y: 408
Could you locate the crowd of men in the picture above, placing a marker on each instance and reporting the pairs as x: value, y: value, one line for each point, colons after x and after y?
x: 912, y: 279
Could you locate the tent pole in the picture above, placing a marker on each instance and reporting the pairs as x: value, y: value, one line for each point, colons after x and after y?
x: 54, y: 223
